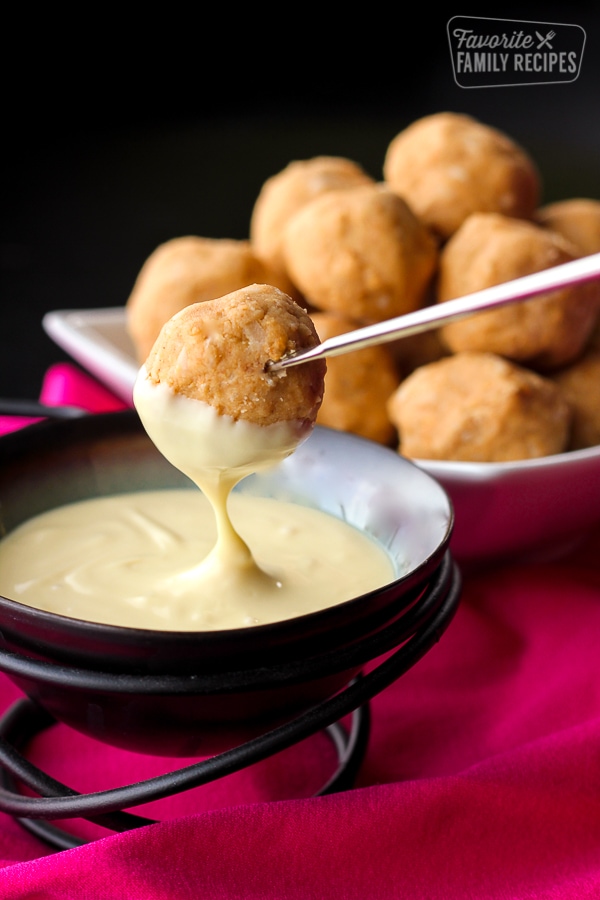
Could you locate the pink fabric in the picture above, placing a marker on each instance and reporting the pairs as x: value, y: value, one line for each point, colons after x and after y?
x: 65, y: 384
x: 481, y: 779
x: 12, y: 423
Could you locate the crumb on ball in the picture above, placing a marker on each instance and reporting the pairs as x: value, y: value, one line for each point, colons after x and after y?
x: 216, y: 351
x: 449, y: 165
x: 357, y: 385
x: 577, y: 219
x: 580, y: 384
x: 285, y: 192
x: 360, y: 252
x: 479, y: 407
x: 543, y: 332
x: 186, y: 270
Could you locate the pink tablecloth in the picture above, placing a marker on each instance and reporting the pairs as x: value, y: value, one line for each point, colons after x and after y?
x: 481, y: 778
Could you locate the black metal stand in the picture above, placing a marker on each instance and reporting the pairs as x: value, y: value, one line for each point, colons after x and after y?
x: 25, y: 719
x: 431, y: 616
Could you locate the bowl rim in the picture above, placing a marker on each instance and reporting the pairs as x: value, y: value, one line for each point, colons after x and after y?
x: 481, y: 470
x: 100, y: 424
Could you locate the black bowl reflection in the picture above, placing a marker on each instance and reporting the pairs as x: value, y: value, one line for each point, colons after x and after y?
x: 187, y: 693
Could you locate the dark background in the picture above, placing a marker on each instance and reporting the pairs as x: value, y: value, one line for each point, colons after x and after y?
x: 116, y: 139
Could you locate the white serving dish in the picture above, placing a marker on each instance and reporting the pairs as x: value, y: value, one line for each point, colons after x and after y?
x: 514, y: 510
x: 98, y: 340
x: 527, y: 510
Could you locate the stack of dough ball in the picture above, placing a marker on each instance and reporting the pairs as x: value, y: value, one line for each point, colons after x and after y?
x: 360, y: 252
x: 188, y: 270
x: 215, y: 351
x: 479, y: 407
x: 457, y: 210
x: 357, y: 385
x: 448, y: 166
x: 284, y: 193
x: 544, y: 332
x: 580, y: 385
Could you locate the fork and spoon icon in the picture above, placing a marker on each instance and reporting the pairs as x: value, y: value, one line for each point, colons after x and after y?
x: 545, y: 41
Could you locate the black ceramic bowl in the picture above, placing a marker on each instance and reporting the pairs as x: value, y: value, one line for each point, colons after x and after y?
x: 185, y: 693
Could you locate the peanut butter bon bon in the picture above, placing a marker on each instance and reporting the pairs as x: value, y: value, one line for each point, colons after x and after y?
x: 208, y: 403
x: 215, y: 352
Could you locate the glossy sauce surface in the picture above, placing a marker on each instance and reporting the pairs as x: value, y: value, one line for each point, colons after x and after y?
x: 208, y: 558
x: 147, y: 560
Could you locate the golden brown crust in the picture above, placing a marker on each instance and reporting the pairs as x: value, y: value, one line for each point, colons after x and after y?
x: 284, y: 193
x: 361, y: 253
x: 448, y: 166
x: 580, y: 385
x: 215, y: 351
x: 357, y: 385
x: 479, y: 407
x: 544, y: 332
x: 188, y: 270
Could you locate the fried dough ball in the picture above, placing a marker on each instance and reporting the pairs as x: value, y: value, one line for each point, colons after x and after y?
x: 580, y: 384
x: 215, y: 351
x: 448, y: 165
x: 543, y: 332
x: 284, y: 193
x: 187, y: 270
x: 479, y: 407
x: 360, y: 252
x: 357, y: 385
x: 577, y: 219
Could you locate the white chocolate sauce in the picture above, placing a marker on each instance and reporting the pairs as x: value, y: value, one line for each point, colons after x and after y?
x: 181, y: 559
x: 133, y: 560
